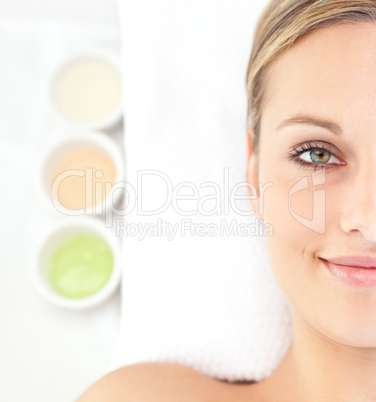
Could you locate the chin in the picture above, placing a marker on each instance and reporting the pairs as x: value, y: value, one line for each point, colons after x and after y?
x: 355, y: 337
x: 347, y: 326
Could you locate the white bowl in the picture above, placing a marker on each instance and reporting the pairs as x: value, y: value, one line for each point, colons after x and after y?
x: 110, y: 119
x: 62, y: 147
x: 38, y: 269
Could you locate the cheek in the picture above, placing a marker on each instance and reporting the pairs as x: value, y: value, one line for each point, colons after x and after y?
x: 289, y: 239
x: 342, y: 315
x: 292, y: 206
x: 289, y: 208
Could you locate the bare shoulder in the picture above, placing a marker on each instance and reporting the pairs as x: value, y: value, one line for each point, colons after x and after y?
x: 158, y: 382
x: 146, y: 382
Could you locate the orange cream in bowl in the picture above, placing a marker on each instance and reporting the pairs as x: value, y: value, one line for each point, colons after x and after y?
x: 79, y: 174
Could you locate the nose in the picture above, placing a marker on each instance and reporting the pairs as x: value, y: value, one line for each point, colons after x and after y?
x: 359, y: 205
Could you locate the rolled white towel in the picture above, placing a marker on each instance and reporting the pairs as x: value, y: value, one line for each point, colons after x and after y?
x: 208, y: 301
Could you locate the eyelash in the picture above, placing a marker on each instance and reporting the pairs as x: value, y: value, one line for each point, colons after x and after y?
x: 309, y: 146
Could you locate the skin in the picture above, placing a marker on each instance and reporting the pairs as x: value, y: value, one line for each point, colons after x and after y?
x: 333, y: 353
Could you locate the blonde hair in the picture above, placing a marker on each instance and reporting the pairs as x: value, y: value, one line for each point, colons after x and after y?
x: 280, y: 25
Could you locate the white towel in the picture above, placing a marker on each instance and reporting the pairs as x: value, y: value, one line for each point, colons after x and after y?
x: 210, y: 302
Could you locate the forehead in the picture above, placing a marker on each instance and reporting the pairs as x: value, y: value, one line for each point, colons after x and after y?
x: 331, y: 70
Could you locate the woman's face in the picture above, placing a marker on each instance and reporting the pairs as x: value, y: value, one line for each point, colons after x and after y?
x: 330, y: 75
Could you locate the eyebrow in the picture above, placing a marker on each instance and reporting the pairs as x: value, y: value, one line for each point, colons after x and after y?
x: 309, y: 119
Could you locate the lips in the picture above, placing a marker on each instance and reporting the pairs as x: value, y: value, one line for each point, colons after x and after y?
x: 361, y: 261
x: 358, y: 271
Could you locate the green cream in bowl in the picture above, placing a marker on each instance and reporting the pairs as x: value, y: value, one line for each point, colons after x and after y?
x: 77, y: 263
x: 80, y: 265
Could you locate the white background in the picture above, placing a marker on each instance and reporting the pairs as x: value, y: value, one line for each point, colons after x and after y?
x: 100, y: 11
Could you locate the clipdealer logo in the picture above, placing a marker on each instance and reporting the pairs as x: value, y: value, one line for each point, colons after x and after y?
x: 155, y: 193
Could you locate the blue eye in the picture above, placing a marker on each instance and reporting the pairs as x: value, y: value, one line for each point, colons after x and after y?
x: 318, y: 156
x: 313, y: 155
